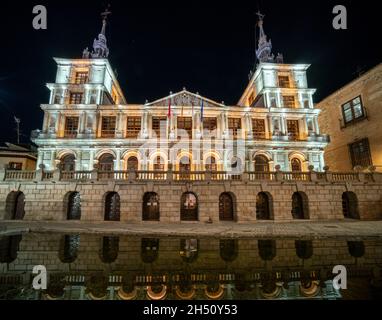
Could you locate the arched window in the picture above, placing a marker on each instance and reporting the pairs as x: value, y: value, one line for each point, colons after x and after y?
x: 189, y: 249
x: 261, y: 164
x: 15, y: 205
x: 189, y: 207
x: 68, y: 163
x: 350, y: 205
x: 106, y: 162
x: 158, y: 164
x: 226, y: 207
x: 9, y: 246
x: 210, y: 164
x: 185, y: 167
x: 264, y: 206
x: 304, y: 249
x: 69, y: 246
x: 267, y: 249
x: 296, y: 165
x: 300, y: 208
x: 149, y: 250
x: 112, y: 207
x: 150, y: 207
x: 132, y: 164
x: 110, y: 249
x: 229, y: 249
x: 74, y: 206
x: 356, y: 248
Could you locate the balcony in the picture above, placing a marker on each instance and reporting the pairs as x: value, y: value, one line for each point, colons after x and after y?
x: 107, y: 134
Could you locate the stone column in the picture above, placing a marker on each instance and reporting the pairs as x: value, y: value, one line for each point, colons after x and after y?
x: 316, y: 125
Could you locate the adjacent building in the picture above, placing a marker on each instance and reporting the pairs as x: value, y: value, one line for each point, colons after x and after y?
x: 352, y: 117
x: 18, y: 156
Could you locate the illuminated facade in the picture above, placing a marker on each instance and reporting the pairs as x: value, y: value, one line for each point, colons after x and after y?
x: 89, y: 125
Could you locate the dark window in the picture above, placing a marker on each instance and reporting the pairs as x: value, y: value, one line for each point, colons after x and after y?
x: 110, y: 249
x: 108, y: 127
x: 234, y: 125
x: 226, y: 207
x: 106, y: 163
x: 189, y: 207
x: 15, y: 166
x: 185, y: 123
x: 284, y: 82
x: 229, y: 249
x: 71, y: 127
x: 304, y: 249
x: 133, y: 127
x: 156, y: 126
x: 75, y: 98
x: 68, y: 163
x: 9, y: 246
x: 209, y: 124
x: 300, y: 206
x: 149, y: 250
x: 112, y: 207
x: 81, y: 77
x: 360, y: 153
x: 289, y: 102
x: 261, y: 164
x: 14, y: 206
x: 69, y: 246
x: 356, y: 249
x: 150, y: 207
x: 74, y: 206
x: 293, y: 129
x: 258, y: 129
x: 353, y: 110
x: 267, y: 249
x: 263, y: 204
x: 350, y: 205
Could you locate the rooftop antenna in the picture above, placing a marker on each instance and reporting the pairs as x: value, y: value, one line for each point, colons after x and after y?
x: 17, y: 121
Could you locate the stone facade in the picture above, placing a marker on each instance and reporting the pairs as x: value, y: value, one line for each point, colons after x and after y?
x: 365, y: 125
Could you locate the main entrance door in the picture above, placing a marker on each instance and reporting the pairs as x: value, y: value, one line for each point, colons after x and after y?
x: 189, y: 207
x: 150, y: 207
x: 226, y: 207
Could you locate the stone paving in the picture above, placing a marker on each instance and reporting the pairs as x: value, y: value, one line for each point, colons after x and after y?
x: 288, y: 230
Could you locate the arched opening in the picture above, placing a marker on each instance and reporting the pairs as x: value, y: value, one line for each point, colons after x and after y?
x: 296, y: 165
x: 350, y: 205
x: 110, y: 249
x: 150, y: 210
x: 106, y: 163
x: 304, y: 249
x: 267, y: 249
x: 68, y: 163
x: 9, y: 246
x: 15, y: 206
x: 300, y: 207
x: 69, y: 246
x: 189, y: 249
x: 226, y: 207
x: 210, y: 164
x: 189, y: 207
x: 74, y: 206
x: 229, y: 249
x: 264, y: 206
x: 158, y: 164
x: 185, y: 167
x: 132, y: 164
x: 112, y: 207
x: 261, y: 164
x: 149, y: 250
x: 356, y: 249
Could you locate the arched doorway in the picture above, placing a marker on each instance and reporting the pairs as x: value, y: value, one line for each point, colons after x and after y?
x: 132, y: 164
x: 74, y: 206
x: 356, y: 248
x: 185, y: 167
x: 9, y: 246
x: 267, y: 249
x: 229, y: 249
x: 69, y: 246
x: 210, y: 164
x: 189, y: 207
x: 149, y: 250
x: 350, y: 205
x: 300, y: 206
x: 226, y: 207
x: 15, y: 206
x: 112, y: 207
x: 68, y: 163
x: 296, y: 165
x: 110, y: 249
x: 106, y: 163
x: 304, y: 249
x: 263, y: 206
x: 261, y: 164
x: 150, y: 207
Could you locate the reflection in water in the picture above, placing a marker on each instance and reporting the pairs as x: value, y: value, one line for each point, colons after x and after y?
x: 187, y: 268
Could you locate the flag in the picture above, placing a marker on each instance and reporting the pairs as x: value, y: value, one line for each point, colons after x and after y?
x: 201, y: 110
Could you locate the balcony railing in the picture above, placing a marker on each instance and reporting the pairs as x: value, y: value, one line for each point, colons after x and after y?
x: 192, y: 176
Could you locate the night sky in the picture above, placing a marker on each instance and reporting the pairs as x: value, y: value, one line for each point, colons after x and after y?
x: 162, y: 46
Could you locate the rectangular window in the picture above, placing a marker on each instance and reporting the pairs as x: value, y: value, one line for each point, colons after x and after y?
x: 293, y: 129
x: 360, y: 153
x: 156, y: 125
x: 258, y: 128
x: 15, y: 166
x: 75, y: 98
x: 353, y: 110
x: 185, y: 123
x: 81, y: 77
x: 234, y: 126
x: 210, y: 124
x: 289, y: 102
x: 71, y: 127
x: 284, y: 82
x: 108, y: 127
x: 133, y: 127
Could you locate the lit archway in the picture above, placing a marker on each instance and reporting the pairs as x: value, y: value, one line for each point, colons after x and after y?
x: 261, y: 164
x: 189, y: 207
